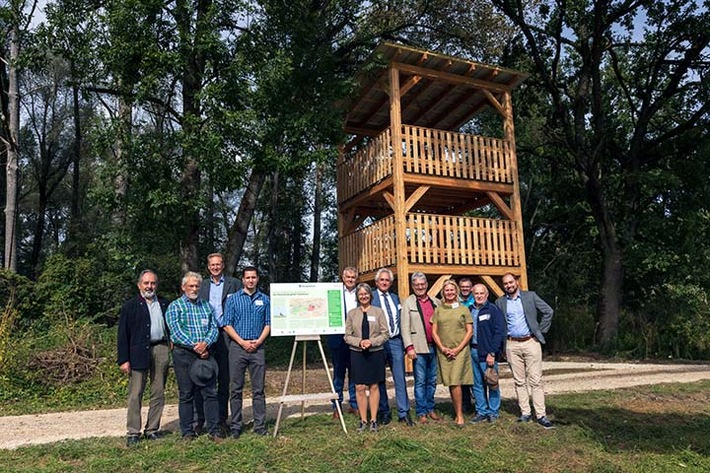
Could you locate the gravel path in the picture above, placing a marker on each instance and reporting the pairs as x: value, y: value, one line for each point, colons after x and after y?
x: 560, y: 377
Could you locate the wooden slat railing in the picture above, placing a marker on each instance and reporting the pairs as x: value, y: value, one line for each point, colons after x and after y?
x: 370, y: 248
x: 426, y: 151
x: 458, y: 155
x: 436, y: 240
x: 366, y: 167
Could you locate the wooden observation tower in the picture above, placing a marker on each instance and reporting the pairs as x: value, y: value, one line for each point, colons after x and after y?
x: 409, y: 183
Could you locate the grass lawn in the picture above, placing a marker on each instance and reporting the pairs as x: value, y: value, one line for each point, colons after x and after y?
x: 664, y: 428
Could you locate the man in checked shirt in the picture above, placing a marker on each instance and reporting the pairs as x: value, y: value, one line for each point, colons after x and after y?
x: 247, y: 321
x: 193, y: 331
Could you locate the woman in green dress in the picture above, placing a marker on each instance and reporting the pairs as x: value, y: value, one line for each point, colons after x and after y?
x: 452, y: 329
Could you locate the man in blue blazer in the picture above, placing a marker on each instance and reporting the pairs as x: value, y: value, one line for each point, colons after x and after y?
x: 525, y: 336
x: 215, y: 290
x: 394, y: 349
x: 143, y: 353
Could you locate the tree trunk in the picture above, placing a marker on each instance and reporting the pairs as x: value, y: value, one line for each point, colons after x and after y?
x: 237, y: 234
x: 39, y: 229
x: 75, y: 213
x: 315, y: 253
x: 273, y: 226
x: 611, y: 290
x: 12, y: 153
x: 120, y: 183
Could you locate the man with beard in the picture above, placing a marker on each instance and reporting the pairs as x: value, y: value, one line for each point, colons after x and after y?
x: 193, y: 331
x: 143, y: 353
x: 524, y: 345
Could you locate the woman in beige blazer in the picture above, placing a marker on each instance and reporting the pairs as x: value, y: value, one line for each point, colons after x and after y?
x: 366, y: 332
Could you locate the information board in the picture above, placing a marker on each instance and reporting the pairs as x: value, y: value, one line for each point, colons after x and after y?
x: 307, y: 309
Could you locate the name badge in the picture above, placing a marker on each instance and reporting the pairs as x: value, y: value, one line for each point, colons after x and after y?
x: 259, y: 302
x: 454, y: 305
x: 483, y: 317
x: 371, y: 318
x: 399, y: 306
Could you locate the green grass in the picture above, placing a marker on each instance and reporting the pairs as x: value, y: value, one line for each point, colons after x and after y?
x: 663, y: 428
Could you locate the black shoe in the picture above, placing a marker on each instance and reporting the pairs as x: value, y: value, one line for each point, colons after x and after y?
x: 224, y: 428
x: 200, y: 427
x: 152, y: 436
x: 189, y: 437
x: 406, y: 420
x: 545, y: 423
x: 132, y: 440
x: 384, y: 419
x: 216, y: 438
x: 478, y: 418
x: 262, y: 432
x: 236, y: 434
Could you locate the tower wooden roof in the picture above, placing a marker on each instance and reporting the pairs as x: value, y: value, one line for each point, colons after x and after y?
x: 438, y: 91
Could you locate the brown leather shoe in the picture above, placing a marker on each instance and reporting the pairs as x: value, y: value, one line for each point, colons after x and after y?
x: 423, y: 420
x: 350, y: 410
x: 336, y: 416
x: 434, y: 416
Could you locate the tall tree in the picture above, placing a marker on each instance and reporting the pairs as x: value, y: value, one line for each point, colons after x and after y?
x: 627, y: 91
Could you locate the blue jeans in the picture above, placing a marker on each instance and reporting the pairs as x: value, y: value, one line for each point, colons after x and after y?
x: 425, y: 381
x: 487, y: 399
x: 182, y: 359
x: 394, y: 354
x: 341, y: 364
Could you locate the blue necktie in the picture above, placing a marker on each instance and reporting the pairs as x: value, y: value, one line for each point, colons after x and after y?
x: 386, y: 303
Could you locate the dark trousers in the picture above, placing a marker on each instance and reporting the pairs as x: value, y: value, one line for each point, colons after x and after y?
x: 182, y: 359
x: 221, y: 354
x: 241, y: 361
x: 341, y: 365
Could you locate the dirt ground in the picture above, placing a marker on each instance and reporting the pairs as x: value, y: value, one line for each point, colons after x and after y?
x: 559, y: 377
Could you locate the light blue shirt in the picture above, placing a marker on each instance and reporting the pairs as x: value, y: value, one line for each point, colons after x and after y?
x: 515, y: 316
x: 157, y: 325
x: 216, y: 291
x: 474, y: 314
x: 247, y: 314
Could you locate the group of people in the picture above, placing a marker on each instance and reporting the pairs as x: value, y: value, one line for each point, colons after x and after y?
x: 457, y: 340
x: 215, y: 331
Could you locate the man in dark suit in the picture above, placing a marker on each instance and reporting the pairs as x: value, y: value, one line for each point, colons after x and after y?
x: 525, y: 336
x: 144, y: 352
x: 215, y: 292
x: 394, y: 349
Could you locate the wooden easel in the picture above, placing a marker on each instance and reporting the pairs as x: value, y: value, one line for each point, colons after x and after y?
x: 303, y: 397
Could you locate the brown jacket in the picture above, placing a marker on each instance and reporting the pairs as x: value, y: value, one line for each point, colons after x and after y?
x: 379, y: 332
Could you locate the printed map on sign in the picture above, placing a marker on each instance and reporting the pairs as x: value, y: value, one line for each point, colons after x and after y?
x: 307, y: 309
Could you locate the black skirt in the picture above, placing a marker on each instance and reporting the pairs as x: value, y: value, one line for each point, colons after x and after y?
x: 367, y: 367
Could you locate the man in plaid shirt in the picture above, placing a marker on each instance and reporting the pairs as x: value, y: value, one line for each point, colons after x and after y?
x: 193, y: 331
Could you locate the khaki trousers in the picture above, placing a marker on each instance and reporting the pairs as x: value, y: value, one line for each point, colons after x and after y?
x: 158, y: 374
x: 525, y: 359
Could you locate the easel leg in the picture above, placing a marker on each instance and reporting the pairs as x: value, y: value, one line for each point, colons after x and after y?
x: 332, y: 388
x: 288, y: 379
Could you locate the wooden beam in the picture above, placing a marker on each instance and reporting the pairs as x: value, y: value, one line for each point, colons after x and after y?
x: 390, y: 199
x: 509, y: 132
x: 414, y: 197
x: 438, y: 284
x: 494, y: 102
x: 366, y: 195
x: 468, y: 184
x: 493, y: 286
x: 501, y: 205
x: 414, y: 80
x: 449, y: 77
x: 400, y: 225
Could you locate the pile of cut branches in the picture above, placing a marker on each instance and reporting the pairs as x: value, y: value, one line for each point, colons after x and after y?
x: 71, y: 363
